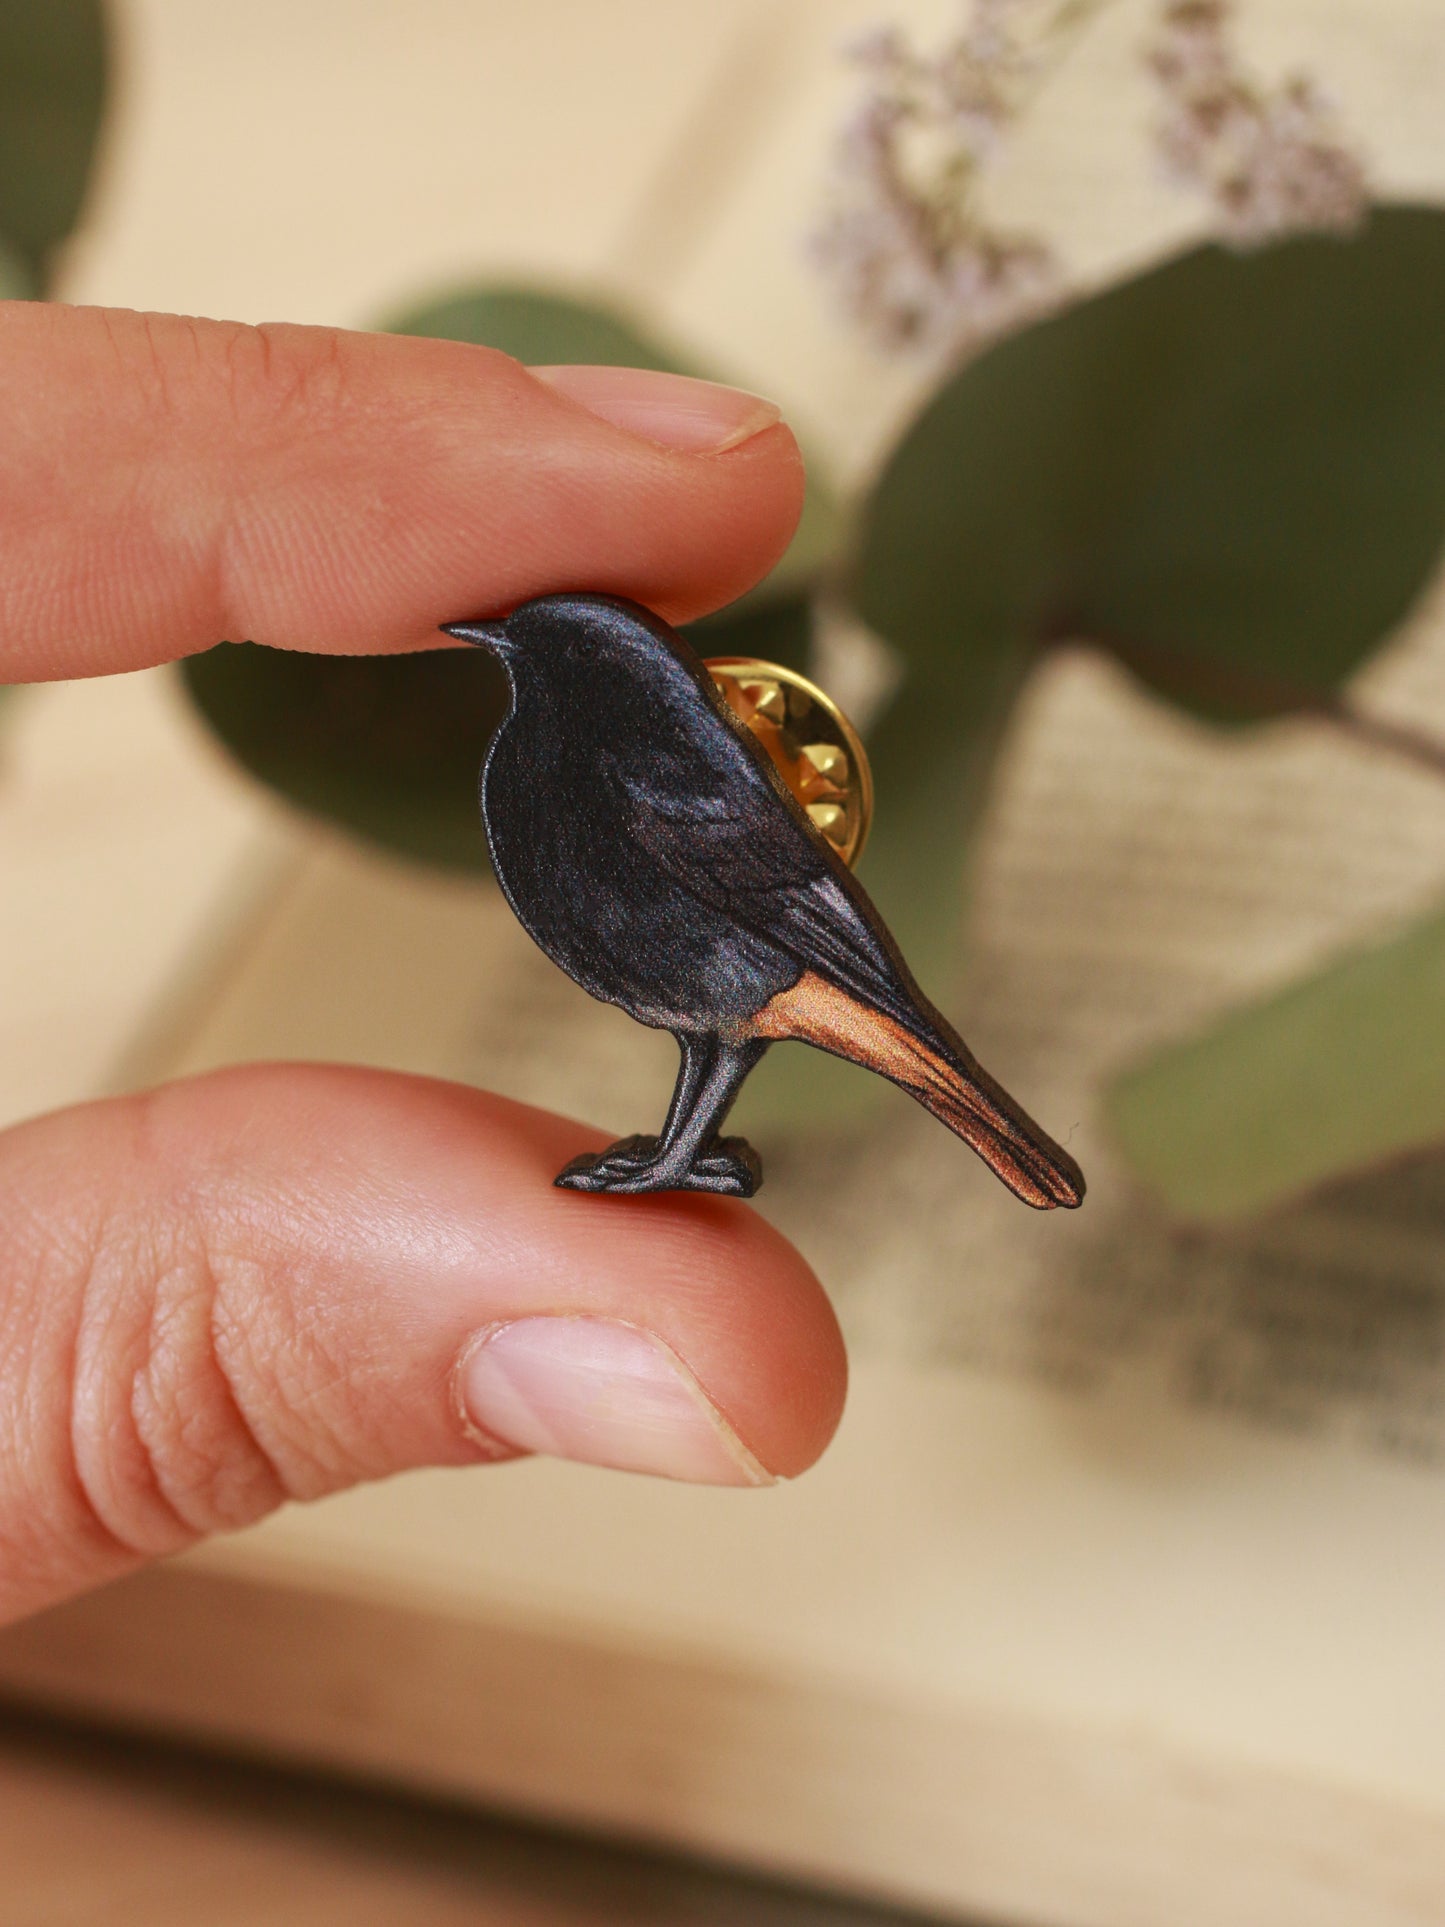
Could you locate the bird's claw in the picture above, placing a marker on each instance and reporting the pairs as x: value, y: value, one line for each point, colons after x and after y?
x: 730, y: 1166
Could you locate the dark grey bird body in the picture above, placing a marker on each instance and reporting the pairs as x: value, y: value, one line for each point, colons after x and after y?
x: 648, y: 845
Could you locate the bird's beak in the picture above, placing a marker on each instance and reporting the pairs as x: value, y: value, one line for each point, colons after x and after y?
x: 486, y: 635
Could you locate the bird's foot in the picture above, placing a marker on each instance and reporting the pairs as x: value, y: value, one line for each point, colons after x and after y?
x: 619, y: 1166
x: 729, y: 1166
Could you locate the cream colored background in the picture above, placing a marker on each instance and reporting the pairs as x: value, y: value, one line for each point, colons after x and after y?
x: 324, y: 162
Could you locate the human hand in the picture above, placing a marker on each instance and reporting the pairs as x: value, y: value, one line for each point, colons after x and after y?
x: 275, y: 1282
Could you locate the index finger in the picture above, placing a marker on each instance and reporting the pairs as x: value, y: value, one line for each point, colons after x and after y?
x: 166, y: 483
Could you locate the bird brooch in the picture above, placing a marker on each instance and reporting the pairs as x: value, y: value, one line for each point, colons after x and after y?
x: 649, y: 844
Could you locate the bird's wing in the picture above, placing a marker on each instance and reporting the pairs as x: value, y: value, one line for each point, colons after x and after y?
x: 731, y: 838
x: 723, y: 827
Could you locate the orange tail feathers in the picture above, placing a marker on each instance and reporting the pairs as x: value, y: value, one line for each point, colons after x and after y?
x: 946, y: 1081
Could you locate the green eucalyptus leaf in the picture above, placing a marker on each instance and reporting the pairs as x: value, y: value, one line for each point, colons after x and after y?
x: 1343, y: 1070
x: 388, y: 746
x: 1284, y: 505
x: 1230, y: 470
x: 18, y: 278
x: 52, y: 92
x: 541, y: 327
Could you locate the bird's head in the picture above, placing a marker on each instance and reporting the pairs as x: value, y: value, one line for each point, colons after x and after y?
x: 589, y: 635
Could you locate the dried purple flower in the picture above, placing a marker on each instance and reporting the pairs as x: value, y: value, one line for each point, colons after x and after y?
x: 912, y: 259
x: 1271, y: 162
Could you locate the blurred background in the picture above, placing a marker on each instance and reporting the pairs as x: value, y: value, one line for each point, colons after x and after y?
x: 1128, y: 492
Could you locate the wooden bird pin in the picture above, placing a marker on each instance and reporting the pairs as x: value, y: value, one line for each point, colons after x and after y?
x: 649, y: 846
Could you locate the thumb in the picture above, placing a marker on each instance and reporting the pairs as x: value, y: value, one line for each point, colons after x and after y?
x: 271, y: 1283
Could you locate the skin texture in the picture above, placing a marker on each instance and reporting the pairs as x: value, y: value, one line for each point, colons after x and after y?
x: 167, y: 483
x: 272, y: 1282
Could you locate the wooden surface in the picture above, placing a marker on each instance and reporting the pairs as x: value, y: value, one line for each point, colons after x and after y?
x: 995, y: 1813
x: 96, y: 1829
x: 326, y: 160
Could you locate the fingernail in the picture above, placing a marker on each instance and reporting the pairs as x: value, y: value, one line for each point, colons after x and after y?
x: 697, y: 417
x: 604, y: 1393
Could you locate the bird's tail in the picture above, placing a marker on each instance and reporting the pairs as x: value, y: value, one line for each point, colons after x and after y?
x: 983, y: 1114
x: 939, y: 1070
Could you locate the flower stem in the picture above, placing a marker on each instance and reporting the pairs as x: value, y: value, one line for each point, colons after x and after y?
x: 1414, y: 745
x: 1261, y: 694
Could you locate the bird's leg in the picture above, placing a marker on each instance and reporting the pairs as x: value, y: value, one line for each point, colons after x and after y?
x: 698, y: 1055
x: 689, y: 1155
x: 692, y: 1155
x: 605, y: 1170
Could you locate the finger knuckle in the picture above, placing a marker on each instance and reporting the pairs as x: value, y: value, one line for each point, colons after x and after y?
x: 166, y: 1442
x: 276, y: 371
x: 174, y: 365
